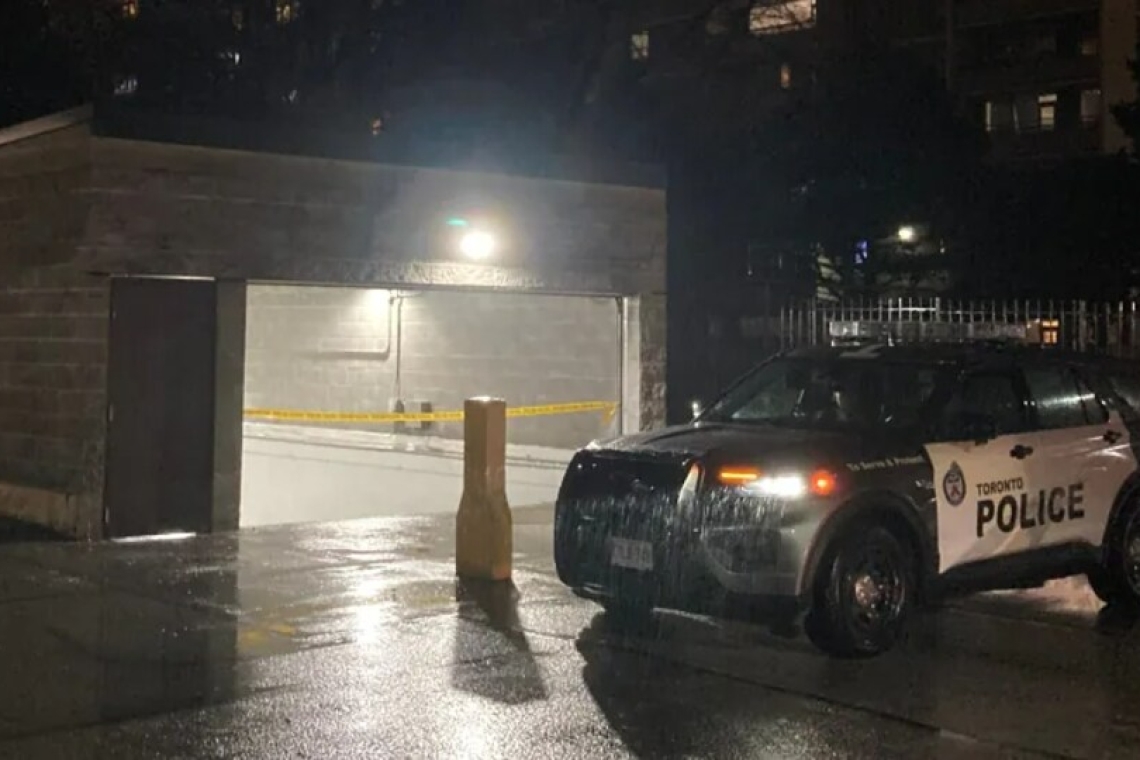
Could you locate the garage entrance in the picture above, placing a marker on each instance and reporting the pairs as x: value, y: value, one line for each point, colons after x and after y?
x: 125, y: 415
x: 326, y: 365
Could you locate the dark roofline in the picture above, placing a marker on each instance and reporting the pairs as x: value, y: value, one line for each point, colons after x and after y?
x: 45, y: 125
x: 309, y: 142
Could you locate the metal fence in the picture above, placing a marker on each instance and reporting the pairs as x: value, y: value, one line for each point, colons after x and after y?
x: 1112, y: 328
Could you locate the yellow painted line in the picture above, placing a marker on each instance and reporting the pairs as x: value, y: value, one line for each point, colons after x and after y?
x: 608, y: 408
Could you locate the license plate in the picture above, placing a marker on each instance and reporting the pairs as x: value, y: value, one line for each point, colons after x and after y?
x: 635, y: 555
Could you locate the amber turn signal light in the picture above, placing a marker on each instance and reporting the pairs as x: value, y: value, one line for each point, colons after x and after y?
x: 738, y: 476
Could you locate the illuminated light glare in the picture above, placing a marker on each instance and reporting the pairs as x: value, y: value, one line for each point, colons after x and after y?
x: 156, y: 537
x: 822, y: 483
x: 457, y: 222
x: 377, y: 301
x: 786, y: 486
x: 907, y: 233
x: 782, y: 486
x: 735, y: 476
x: 477, y: 245
x: 367, y: 588
x: 368, y: 623
x: 689, y: 487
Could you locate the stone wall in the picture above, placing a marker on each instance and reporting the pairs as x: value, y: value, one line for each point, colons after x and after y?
x: 53, y: 363
x: 177, y: 209
x: 42, y: 204
x: 79, y: 205
x: 183, y: 210
x: 335, y: 349
x: 54, y: 322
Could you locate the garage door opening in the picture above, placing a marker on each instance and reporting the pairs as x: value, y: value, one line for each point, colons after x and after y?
x: 326, y: 368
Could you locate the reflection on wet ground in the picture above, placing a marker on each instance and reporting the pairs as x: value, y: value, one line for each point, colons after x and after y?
x: 354, y: 640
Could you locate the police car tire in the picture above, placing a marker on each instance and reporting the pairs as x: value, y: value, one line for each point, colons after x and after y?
x: 1107, y: 588
x: 829, y: 624
x: 1109, y: 581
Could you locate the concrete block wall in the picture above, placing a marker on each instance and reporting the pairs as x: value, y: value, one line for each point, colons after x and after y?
x: 165, y: 209
x: 93, y: 200
x: 53, y: 363
x: 42, y: 204
x: 335, y: 349
x: 53, y: 331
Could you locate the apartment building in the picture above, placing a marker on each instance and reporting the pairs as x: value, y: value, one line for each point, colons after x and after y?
x: 1039, y: 77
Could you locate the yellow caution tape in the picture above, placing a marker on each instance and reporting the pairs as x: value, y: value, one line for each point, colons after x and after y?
x: 608, y: 408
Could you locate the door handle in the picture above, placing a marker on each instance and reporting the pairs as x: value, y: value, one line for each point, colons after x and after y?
x: 1021, y: 452
x: 1112, y: 436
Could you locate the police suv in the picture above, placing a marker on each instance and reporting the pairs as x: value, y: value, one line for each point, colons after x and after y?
x: 856, y: 481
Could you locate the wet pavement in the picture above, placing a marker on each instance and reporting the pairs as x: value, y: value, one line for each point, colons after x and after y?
x: 352, y: 640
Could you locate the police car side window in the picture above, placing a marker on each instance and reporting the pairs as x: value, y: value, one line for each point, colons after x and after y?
x: 908, y: 392
x: 1057, y: 398
x: 1095, y: 411
x: 1128, y: 389
x: 984, y: 398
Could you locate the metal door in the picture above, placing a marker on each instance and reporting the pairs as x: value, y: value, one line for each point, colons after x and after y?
x: 161, y: 407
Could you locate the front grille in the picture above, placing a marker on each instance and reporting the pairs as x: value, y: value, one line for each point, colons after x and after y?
x: 607, y: 496
x: 630, y: 497
x: 597, y: 475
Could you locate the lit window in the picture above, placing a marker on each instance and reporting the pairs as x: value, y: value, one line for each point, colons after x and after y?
x: 237, y: 18
x: 1047, y: 110
x: 1090, y: 106
x: 126, y: 86
x: 232, y: 57
x: 131, y: 8
x: 781, y: 16
x: 377, y: 126
x: 286, y: 11
x: 785, y: 76
x: 639, y: 46
x: 1090, y: 44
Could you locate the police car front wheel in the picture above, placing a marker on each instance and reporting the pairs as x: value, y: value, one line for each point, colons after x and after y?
x: 864, y: 593
x: 1118, y: 580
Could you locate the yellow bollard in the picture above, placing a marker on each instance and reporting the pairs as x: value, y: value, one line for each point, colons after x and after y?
x: 483, y: 541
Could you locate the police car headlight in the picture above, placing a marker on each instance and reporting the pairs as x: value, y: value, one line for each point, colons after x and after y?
x: 780, y: 485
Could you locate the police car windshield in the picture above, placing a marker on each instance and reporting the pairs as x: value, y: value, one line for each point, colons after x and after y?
x: 833, y: 392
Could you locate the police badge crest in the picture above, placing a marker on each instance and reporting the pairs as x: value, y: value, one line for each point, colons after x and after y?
x: 954, y: 485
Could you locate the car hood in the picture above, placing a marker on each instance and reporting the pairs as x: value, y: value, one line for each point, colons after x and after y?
x: 726, y: 440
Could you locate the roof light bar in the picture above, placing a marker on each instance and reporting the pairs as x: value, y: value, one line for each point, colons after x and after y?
x: 868, y: 331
